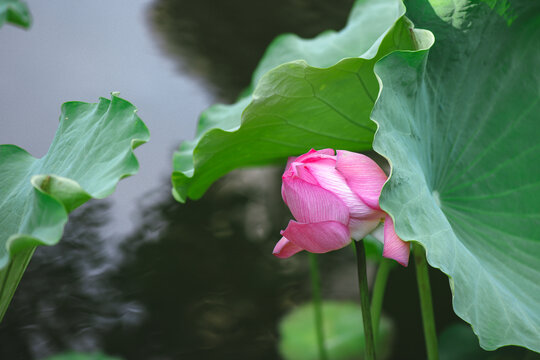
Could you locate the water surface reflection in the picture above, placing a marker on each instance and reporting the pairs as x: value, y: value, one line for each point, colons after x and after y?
x: 222, y: 41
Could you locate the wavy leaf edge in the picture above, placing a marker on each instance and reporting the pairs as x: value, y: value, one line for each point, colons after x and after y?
x: 19, y: 242
x: 424, y: 47
x: 182, y: 179
x: 15, y: 13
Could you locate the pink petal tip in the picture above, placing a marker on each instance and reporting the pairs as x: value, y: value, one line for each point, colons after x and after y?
x: 284, y: 249
x: 318, y: 237
x: 363, y: 176
x: 394, y: 247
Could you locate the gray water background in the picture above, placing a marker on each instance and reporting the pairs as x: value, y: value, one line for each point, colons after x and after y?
x: 83, y: 50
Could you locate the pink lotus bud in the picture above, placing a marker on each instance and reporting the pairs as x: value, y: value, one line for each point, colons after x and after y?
x: 335, y: 198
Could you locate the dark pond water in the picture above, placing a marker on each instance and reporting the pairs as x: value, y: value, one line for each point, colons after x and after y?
x: 193, y: 281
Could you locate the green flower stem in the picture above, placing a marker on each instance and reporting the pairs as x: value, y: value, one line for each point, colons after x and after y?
x: 364, y: 299
x: 317, y: 305
x: 378, y: 293
x: 426, y: 304
x: 10, y: 277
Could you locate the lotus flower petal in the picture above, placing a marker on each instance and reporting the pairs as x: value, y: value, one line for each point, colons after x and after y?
x: 311, y: 203
x: 360, y: 228
x: 334, y: 198
x: 301, y: 171
x: 332, y: 180
x: 363, y: 176
x: 394, y: 247
x: 378, y: 233
x: 284, y: 249
x: 296, y: 165
x: 318, y: 237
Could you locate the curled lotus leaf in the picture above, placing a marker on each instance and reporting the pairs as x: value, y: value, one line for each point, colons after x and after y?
x: 91, y: 151
x: 15, y: 12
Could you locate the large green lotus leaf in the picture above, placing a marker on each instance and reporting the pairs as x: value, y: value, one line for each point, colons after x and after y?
x: 343, y: 332
x: 459, y: 124
x: 15, y: 12
x: 323, y: 99
x: 91, y: 151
